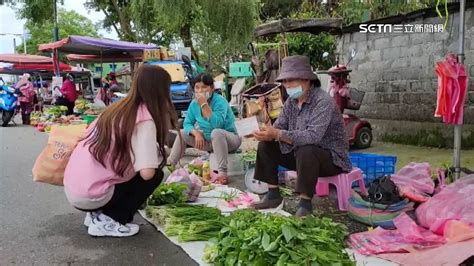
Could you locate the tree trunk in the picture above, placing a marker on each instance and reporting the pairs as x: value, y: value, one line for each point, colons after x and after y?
x: 125, y: 23
x: 185, y: 35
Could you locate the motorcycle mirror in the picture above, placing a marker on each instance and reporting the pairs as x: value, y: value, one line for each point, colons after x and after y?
x: 352, y: 56
x: 186, y: 60
x: 353, y: 53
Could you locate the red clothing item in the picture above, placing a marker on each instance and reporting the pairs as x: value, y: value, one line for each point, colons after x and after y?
x: 452, y: 90
x: 69, y: 91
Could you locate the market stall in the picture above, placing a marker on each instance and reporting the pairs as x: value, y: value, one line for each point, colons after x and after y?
x: 90, y: 48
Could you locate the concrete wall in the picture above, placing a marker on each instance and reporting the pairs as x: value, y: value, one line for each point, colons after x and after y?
x: 397, y: 70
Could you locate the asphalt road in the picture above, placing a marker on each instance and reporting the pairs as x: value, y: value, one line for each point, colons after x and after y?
x: 38, y: 226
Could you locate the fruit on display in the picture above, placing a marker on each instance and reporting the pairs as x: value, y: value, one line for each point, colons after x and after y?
x: 82, y: 105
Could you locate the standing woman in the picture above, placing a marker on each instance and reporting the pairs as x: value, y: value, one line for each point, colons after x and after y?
x: 119, y: 164
x: 68, y: 90
x: 27, y: 97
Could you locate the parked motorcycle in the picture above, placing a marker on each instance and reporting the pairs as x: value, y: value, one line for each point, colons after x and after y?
x: 8, y: 101
x: 358, y: 131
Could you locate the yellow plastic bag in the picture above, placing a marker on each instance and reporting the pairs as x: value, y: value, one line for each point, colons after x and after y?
x: 51, y: 162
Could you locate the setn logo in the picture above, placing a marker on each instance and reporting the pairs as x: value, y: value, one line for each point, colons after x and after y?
x: 375, y: 28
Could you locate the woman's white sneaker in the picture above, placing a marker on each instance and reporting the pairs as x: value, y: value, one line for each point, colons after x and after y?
x: 89, y: 217
x: 102, y: 225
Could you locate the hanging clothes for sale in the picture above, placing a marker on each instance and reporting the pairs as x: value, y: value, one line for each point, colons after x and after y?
x: 452, y: 90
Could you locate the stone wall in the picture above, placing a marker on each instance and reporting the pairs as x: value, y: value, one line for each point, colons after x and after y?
x: 396, y: 70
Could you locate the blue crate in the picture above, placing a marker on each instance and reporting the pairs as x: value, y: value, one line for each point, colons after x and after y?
x: 373, y: 165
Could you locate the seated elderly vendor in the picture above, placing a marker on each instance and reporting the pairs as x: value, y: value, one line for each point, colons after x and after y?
x: 308, y: 137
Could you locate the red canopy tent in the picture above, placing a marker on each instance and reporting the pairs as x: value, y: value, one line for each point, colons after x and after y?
x: 41, y: 67
x: 21, y: 63
x: 25, y: 59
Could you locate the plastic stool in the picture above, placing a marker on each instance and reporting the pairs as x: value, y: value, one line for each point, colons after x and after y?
x: 343, y: 183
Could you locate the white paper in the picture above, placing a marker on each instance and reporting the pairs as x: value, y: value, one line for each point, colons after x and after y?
x: 247, y: 126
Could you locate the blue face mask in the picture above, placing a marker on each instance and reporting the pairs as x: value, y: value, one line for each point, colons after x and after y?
x: 295, y: 92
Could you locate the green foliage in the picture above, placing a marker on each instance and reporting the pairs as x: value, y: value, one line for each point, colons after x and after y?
x: 312, y: 46
x: 277, y: 9
x: 69, y: 23
x: 117, y: 16
x: 428, y: 138
x: 352, y: 11
x: 219, y: 29
x: 35, y: 11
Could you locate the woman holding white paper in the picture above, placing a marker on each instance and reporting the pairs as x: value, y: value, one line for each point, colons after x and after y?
x: 215, y: 129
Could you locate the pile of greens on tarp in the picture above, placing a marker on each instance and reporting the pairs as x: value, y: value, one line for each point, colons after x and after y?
x: 252, y: 238
x: 188, y: 222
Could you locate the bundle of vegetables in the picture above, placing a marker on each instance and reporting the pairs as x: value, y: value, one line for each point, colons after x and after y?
x: 253, y: 238
x: 188, y: 222
x: 56, y: 111
x: 81, y: 105
x: 35, y: 118
x: 249, y: 156
x: 168, y: 194
x: 195, y: 166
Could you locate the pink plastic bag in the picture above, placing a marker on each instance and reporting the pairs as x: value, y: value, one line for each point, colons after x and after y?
x: 414, y: 181
x: 192, y: 181
x: 407, y: 237
x: 454, y: 202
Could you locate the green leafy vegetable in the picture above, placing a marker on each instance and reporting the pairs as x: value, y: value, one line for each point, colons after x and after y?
x: 188, y: 222
x: 286, y: 191
x: 229, y: 196
x: 168, y: 194
x: 252, y: 238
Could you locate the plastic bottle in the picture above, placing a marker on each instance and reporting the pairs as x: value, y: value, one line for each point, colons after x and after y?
x: 206, y: 171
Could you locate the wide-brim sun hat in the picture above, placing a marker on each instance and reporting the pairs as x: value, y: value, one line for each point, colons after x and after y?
x: 296, y: 67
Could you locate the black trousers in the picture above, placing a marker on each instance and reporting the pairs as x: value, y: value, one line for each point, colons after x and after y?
x: 129, y: 196
x: 310, y: 162
x: 70, y: 107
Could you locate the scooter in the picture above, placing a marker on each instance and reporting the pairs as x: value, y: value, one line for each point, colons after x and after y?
x: 358, y: 131
x: 8, y: 100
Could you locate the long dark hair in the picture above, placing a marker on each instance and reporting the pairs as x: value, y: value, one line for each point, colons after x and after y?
x: 115, y: 126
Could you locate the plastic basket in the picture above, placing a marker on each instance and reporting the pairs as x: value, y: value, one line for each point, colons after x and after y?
x: 89, y: 118
x: 373, y: 165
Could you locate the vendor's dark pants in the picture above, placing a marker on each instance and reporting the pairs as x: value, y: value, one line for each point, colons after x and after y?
x: 70, y: 107
x: 310, y: 162
x: 129, y: 196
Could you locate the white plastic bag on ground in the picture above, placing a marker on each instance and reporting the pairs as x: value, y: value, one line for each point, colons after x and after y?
x: 192, y: 181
